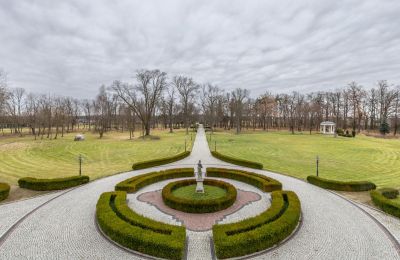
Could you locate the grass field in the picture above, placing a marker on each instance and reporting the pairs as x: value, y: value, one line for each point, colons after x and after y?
x: 189, y: 192
x: 23, y: 156
x: 360, y: 158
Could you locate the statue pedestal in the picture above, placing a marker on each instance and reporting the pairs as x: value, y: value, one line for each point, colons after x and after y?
x: 199, y: 186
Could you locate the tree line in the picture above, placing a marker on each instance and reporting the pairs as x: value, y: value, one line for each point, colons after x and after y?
x: 154, y: 100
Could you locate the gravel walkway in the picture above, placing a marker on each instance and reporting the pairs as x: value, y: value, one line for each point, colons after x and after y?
x: 64, y: 228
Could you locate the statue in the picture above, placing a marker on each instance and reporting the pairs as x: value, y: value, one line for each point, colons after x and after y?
x: 199, y: 171
x: 199, y: 178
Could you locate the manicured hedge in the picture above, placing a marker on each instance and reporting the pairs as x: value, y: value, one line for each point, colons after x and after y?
x: 52, y: 184
x: 136, y: 232
x: 260, y: 232
x: 237, y: 161
x: 341, y: 185
x: 161, y: 161
x: 262, y: 182
x: 135, y: 183
x: 199, y: 206
x: 387, y: 205
x: 389, y: 193
x: 4, y: 191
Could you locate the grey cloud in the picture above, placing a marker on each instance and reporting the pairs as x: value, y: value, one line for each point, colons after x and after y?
x: 72, y: 47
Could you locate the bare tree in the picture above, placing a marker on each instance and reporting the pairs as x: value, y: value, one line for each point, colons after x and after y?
x: 239, y: 96
x: 355, y: 95
x: 187, y: 89
x: 209, y: 97
x: 170, y: 103
x: 143, y: 97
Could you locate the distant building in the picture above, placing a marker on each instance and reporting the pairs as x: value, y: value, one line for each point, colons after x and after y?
x: 327, y: 127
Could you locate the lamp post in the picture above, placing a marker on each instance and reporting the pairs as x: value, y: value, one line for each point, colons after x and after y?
x: 80, y: 164
x: 185, y: 144
x: 317, y: 164
x: 215, y: 145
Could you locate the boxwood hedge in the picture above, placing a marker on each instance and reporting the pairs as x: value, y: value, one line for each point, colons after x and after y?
x: 136, y: 232
x: 262, y: 182
x: 260, y: 232
x: 341, y: 185
x: 52, y: 184
x: 386, y: 204
x: 389, y: 193
x: 237, y: 161
x: 135, y: 183
x: 4, y: 191
x: 161, y: 161
x: 199, y: 206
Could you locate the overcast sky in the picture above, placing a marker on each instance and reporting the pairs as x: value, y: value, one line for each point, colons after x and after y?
x: 72, y: 47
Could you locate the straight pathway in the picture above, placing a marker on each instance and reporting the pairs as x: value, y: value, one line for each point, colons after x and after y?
x: 64, y: 228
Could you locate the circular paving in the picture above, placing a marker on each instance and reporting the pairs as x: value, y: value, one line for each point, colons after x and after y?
x: 249, y: 202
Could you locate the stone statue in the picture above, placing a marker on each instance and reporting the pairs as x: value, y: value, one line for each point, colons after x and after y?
x: 199, y: 171
x: 199, y: 178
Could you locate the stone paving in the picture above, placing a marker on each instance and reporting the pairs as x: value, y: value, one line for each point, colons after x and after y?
x: 65, y: 228
x: 10, y: 213
x: 199, y: 222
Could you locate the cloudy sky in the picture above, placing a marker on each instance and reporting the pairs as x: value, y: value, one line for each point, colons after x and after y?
x: 72, y: 47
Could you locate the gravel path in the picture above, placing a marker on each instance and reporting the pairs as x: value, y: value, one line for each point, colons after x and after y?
x: 64, y: 228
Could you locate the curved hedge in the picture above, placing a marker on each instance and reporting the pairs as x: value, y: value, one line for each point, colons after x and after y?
x: 161, y: 161
x: 237, y: 161
x: 52, y: 184
x: 136, y: 232
x: 135, y: 183
x: 260, y: 232
x: 341, y: 185
x: 381, y: 200
x: 262, y: 182
x: 4, y: 191
x: 199, y: 206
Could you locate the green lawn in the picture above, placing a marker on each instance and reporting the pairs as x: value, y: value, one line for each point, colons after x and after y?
x: 360, y: 158
x: 189, y: 192
x: 23, y: 156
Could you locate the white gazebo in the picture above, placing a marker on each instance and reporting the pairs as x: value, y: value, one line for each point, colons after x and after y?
x: 327, y: 127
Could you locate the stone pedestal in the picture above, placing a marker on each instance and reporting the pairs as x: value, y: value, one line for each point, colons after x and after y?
x: 199, y: 187
x: 199, y: 180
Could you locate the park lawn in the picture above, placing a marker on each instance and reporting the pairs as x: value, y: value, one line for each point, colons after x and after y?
x: 210, y: 192
x: 397, y: 201
x: 341, y: 158
x: 23, y: 156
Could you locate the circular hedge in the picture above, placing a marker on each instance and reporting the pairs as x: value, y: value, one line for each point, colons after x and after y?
x: 196, y: 205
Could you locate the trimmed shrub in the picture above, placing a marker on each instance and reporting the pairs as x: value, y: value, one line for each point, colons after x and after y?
x: 161, y: 161
x: 136, y: 232
x: 198, y: 206
x: 4, y: 191
x: 389, y: 193
x: 341, y: 185
x: 260, y: 232
x: 262, y: 182
x: 52, y: 184
x: 384, y: 203
x: 135, y: 183
x: 340, y: 131
x: 237, y: 161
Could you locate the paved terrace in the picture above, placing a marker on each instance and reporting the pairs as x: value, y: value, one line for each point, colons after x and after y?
x: 62, y: 225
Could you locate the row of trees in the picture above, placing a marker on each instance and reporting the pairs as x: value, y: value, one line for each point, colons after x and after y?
x: 154, y: 100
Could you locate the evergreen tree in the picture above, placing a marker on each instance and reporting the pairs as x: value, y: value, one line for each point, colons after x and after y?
x: 384, y: 128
